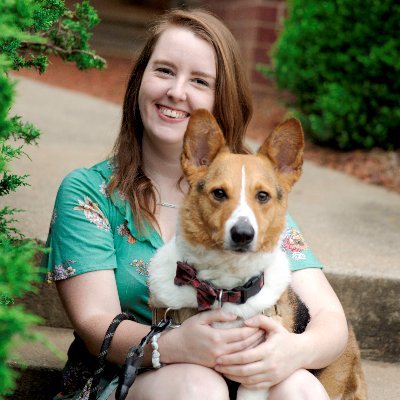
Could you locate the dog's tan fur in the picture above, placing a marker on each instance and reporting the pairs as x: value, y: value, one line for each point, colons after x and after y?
x: 208, y: 164
x: 344, y: 378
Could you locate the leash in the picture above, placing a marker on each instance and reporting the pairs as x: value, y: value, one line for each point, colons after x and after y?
x: 93, y: 383
x: 134, y: 359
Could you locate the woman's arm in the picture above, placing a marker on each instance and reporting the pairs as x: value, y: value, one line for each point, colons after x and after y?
x: 283, y: 352
x: 91, y: 302
x: 326, y: 335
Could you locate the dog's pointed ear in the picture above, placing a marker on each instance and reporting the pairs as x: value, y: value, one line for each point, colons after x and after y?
x: 202, y: 142
x: 284, y: 147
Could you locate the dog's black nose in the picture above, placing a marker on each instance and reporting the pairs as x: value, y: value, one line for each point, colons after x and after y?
x: 242, y: 232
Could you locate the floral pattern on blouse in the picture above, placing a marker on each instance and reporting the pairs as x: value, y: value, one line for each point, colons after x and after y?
x: 53, y: 217
x: 61, y: 271
x: 93, y: 213
x: 103, y: 189
x: 293, y: 244
x: 140, y: 266
x: 124, y: 231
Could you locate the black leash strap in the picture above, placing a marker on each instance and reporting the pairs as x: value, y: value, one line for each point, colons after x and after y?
x: 134, y: 360
x: 101, y: 358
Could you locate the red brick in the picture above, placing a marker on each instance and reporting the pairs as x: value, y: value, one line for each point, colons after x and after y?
x: 257, y: 77
x: 266, y: 35
x: 255, y: 24
x: 262, y: 89
x: 261, y: 55
x: 267, y: 13
x: 216, y: 7
x: 244, y: 34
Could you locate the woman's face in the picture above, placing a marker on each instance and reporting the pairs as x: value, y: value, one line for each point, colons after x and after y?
x: 179, y: 78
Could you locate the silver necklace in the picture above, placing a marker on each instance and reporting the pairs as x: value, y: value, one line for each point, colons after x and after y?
x: 168, y: 205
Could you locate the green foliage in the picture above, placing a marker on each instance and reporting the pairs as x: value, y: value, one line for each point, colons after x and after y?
x: 16, y: 278
x: 6, y: 223
x: 340, y: 59
x: 30, y: 31
x: 48, y: 27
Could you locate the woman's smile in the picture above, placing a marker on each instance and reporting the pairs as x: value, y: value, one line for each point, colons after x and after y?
x: 169, y: 113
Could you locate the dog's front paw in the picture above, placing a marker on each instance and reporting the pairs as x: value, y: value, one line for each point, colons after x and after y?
x: 249, y: 394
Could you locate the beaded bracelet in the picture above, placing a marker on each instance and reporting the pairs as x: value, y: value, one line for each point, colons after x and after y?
x: 155, y: 355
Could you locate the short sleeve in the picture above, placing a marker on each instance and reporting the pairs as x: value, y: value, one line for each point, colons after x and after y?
x: 296, y: 248
x: 80, y: 237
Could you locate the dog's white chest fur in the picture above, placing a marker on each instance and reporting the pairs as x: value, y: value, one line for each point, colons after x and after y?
x: 224, y: 270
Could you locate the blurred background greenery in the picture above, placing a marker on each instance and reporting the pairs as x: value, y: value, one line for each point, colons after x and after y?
x: 340, y: 59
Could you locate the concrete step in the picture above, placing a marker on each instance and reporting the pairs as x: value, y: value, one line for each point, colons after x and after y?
x: 40, y: 379
x: 39, y: 369
x: 372, y: 306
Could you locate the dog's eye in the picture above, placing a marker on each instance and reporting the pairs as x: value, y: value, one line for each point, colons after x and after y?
x: 263, y: 197
x: 219, y: 194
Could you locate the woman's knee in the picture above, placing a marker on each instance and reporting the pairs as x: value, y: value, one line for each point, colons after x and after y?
x: 202, y: 383
x: 300, y: 385
x: 181, y: 381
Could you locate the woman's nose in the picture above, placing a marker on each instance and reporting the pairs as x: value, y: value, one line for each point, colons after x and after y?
x: 177, y: 90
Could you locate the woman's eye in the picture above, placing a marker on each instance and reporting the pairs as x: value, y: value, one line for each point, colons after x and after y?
x: 219, y: 194
x: 201, y: 82
x: 263, y: 197
x: 164, y: 70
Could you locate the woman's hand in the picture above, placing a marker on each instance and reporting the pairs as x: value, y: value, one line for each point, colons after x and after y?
x: 197, y: 341
x: 267, y: 364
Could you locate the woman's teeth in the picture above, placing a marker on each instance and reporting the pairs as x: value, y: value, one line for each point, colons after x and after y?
x: 172, y: 113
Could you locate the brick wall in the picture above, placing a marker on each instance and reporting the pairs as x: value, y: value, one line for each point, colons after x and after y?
x: 255, y: 24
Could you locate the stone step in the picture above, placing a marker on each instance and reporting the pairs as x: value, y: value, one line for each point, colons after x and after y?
x: 39, y: 368
x: 372, y: 306
x: 39, y: 380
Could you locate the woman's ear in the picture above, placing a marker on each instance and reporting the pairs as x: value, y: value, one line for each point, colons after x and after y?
x: 203, y: 140
x: 284, y: 147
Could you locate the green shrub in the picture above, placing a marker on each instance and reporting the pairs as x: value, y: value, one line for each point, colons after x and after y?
x: 341, y: 61
x: 30, y: 30
x: 17, y: 277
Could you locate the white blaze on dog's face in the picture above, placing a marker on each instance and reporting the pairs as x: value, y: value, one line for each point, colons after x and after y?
x: 241, y: 228
x: 236, y: 202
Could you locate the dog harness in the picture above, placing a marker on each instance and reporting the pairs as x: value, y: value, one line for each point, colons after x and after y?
x: 207, y: 293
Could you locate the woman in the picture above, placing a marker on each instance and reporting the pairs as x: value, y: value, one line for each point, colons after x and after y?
x: 109, y: 220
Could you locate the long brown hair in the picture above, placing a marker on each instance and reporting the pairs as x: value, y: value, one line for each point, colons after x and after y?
x: 232, y: 106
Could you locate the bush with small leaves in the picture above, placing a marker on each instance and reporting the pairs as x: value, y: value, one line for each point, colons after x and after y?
x: 340, y: 60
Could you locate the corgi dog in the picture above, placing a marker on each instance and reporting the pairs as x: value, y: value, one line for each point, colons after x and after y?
x: 227, y: 250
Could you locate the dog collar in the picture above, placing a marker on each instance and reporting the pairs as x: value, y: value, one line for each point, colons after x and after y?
x: 207, y: 293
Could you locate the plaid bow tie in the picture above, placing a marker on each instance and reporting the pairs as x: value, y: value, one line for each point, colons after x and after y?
x: 207, y: 294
